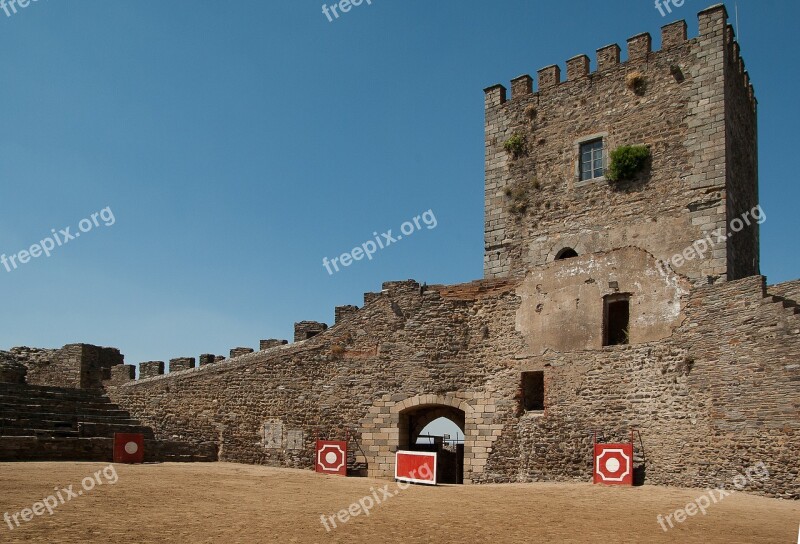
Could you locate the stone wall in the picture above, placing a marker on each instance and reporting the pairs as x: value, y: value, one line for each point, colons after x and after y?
x: 712, y: 398
x: 308, y: 329
x: 555, y: 294
x: 271, y: 343
x: 789, y: 290
x: 717, y: 397
x: 74, y: 365
x: 11, y: 370
x: 696, y: 112
x: 266, y: 407
x: 342, y: 312
x: 122, y: 374
x: 181, y: 363
x: 95, y: 362
x: 148, y: 369
x: 207, y: 359
x: 42, y: 367
x: 238, y: 352
x: 741, y: 150
x: 708, y: 371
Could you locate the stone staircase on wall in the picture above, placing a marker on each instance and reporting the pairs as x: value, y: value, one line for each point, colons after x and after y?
x: 39, y: 423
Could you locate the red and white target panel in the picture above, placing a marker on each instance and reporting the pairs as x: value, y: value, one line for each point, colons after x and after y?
x: 128, y: 448
x: 613, y: 464
x: 332, y: 457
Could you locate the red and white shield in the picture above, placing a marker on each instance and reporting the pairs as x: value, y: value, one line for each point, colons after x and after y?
x: 331, y: 457
x: 613, y: 464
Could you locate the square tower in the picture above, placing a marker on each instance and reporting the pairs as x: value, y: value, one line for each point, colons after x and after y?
x: 548, y: 156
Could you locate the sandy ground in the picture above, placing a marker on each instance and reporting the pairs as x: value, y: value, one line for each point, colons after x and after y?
x: 230, y: 503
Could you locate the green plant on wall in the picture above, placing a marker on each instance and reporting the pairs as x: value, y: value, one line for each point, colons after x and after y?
x: 515, y: 145
x: 627, y: 161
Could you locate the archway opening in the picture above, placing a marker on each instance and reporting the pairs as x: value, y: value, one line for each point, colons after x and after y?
x: 566, y: 253
x: 440, y: 429
x: 443, y: 428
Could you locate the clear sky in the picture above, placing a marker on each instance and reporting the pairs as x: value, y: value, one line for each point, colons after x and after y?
x: 238, y: 143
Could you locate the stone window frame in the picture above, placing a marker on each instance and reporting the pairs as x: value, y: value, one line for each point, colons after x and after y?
x: 577, y: 158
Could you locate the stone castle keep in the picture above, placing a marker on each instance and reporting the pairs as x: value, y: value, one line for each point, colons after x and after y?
x: 577, y: 325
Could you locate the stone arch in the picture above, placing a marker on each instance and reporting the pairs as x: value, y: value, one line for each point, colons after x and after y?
x: 427, y: 416
x: 566, y: 253
x: 385, y: 429
x: 566, y: 243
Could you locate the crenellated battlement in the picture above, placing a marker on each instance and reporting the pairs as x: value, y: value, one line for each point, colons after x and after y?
x: 735, y: 58
x: 691, y: 103
x: 639, y: 51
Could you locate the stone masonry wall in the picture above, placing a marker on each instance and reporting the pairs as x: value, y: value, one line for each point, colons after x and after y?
x: 181, y: 363
x: 42, y: 368
x: 535, y: 203
x: 719, y: 396
x: 710, y: 400
x: 741, y: 161
x: 267, y: 407
x: 789, y: 290
x: 74, y: 365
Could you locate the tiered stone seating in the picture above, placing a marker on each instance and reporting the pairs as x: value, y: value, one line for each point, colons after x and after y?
x: 58, y: 424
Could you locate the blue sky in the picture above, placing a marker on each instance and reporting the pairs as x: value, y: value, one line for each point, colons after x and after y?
x: 239, y: 143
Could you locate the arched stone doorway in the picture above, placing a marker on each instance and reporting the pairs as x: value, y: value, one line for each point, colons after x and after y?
x: 412, y: 422
x: 387, y: 428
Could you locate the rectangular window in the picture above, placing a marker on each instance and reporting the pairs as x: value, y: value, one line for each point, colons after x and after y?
x: 533, y: 390
x: 617, y: 309
x: 592, y: 159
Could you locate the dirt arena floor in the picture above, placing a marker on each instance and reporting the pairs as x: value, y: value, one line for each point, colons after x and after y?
x: 232, y: 504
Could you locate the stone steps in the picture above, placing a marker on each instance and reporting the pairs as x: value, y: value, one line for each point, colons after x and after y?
x: 108, y: 429
x: 45, y: 392
x: 8, y: 408
x: 31, y: 448
x: 58, y: 424
x: 43, y: 432
x: 61, y: 418
x: 89, y: 428
x: 88, y: 399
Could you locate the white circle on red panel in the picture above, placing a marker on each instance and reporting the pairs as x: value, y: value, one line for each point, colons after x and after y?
x: 131, y: 448
x: 613, y: 465
x: 331, y: 457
